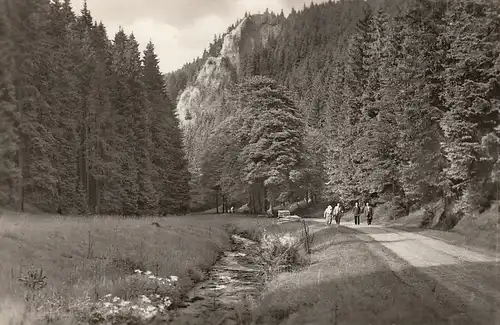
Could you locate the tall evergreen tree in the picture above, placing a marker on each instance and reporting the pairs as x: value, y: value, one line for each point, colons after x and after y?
x: 172, y: 176
x: 472, y: 91
x: 9, y: 172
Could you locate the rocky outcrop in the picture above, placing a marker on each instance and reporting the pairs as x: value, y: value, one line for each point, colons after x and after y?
x: 199, y: 105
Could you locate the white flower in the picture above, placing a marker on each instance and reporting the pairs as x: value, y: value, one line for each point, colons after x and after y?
x: 150, y: 308
x: 124, y: 303
x: 152, y: 277
x: 116, y: 299
x: 145, y: 299
x: 174, y: 278
x: 148, y: 273
x: 108, y: 295
x: 157, y: 296
x: 138, y: 271
x: 108, y: 304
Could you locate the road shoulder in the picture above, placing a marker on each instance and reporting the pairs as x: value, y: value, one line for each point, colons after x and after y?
x: 473, y: 276
x: 352, y: 279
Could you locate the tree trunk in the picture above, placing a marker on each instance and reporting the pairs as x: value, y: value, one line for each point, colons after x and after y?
x: 270, y: 210
x: 98, y: 199
x: 217, y: 201
x: 256, y: 199
x: 21, y: 152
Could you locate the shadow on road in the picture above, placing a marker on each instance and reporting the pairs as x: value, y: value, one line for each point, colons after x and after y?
x: 378, y: 298
x: 347, y: 283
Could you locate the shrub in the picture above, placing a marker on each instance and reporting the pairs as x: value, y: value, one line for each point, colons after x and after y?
x: 279, y: 254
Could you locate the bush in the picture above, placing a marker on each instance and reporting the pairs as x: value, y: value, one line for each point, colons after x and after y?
x: 279, y: 254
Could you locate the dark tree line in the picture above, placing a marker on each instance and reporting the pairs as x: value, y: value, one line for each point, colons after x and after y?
x: 86, y: 123
x: 403, y: 96
x: 409, y: 103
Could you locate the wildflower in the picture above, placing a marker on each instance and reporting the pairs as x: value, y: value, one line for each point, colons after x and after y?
x: 174, y: 278
x: 108, y: 295
x: 150, y: 308
x: 145, y: 299
x: 138, y: 271
x: 152, y: 277
x: 148, y: 273
x: 116, y: 299
x: 124, y: 303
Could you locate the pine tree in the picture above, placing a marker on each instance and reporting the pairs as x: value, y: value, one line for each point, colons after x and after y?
x: 168, y: 158
x: 62, y: 93
x: 124, y: 138
x: 415, y: 93
x: 471, y: 94
x: 9, y: 172
x: 30, y: 23
x: 140, y: 125
x: 275, y: 130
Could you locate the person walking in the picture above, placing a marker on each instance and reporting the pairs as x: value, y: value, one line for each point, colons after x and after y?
x: 328, y: 215
x: 337, y: 213
x: 368, y: 211
x: 357, y: 213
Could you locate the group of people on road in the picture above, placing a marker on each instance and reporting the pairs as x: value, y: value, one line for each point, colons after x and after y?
x: 336, y: 213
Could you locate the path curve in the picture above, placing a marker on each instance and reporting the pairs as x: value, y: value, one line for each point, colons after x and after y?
x: 473, y: 276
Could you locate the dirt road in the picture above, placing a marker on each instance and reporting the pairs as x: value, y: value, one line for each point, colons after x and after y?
x: 376, y: 275
x: 473, y: 276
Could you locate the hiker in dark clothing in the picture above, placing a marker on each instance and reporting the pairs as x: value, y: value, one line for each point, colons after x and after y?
x: 357, y: 213
x: 368, y: 211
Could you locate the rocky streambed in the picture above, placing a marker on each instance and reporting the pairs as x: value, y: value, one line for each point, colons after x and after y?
x: 235, y: 280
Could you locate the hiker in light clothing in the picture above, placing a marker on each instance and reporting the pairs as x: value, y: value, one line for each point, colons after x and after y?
x: 337, y: 213
x: 328, y: 215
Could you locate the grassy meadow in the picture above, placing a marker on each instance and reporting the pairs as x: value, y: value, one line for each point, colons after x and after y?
x: 86, y: 258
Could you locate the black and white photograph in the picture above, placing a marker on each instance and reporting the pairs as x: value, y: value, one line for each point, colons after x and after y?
x: 247, y: 162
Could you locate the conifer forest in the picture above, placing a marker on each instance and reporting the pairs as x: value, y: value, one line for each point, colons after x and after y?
x: 391, y: 102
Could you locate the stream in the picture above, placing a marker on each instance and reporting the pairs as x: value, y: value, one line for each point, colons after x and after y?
x: 235, y: 278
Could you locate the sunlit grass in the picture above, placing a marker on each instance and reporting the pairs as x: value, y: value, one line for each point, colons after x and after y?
x: 88, y: 258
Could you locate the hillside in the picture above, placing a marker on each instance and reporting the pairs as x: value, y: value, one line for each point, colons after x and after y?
x: 384, y: 121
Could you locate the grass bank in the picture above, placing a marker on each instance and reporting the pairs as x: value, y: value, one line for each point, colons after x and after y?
x: 347, y: 282
x: 477, y: 230
x: 92, y: 257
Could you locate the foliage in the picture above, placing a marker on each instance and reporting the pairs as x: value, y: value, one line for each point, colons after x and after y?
x: 256, y: 152
x: 151, y: 300
x: 386, y: 121
x: 86, y: 126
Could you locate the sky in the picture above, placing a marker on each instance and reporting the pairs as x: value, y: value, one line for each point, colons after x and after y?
x: 179, y: 29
